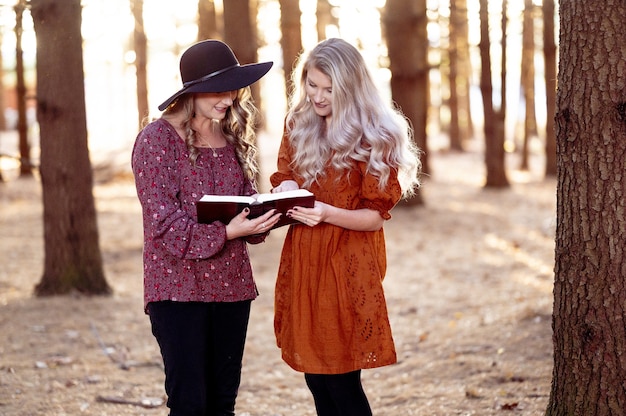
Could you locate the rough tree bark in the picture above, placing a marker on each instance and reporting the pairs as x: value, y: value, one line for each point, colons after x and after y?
x: 589, y: 287
x: 549, y: 58
x: 72, y: 253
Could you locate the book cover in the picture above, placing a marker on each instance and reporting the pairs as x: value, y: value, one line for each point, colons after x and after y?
x: 223, y: 208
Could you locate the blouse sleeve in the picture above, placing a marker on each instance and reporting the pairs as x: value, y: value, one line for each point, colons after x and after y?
x: 377, y: 199
x: 155, y: 163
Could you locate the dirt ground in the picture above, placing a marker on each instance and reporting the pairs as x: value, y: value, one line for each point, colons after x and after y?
x: 469, y: 288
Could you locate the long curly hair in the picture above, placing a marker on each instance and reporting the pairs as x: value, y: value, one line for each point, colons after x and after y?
x: 238, y: 127
x: 363, y: 126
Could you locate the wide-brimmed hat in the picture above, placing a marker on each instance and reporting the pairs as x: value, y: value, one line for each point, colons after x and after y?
x: 211, y: 66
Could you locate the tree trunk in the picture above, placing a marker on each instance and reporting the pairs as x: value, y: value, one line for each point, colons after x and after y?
x: 456, y: 142
x: 72, y: 254
x: 3, y: 104
x: 291, y: 37
x: 528, y: 81
x: 325, y: 18
x: 22, y: 122
x: 493, y: 120
x: 141, y: 60
x: 464, y: 68
x: 240, y: 34
x: 589, y: 288
x: 549, y: 58
x: 405, y: 30
x: 207, y: 20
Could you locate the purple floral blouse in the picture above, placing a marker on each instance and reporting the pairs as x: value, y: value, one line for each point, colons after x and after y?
x: 183, y: 260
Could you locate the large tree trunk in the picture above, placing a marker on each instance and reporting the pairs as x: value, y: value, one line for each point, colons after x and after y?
x: 72, y: 253
x: 405, y: 30
x: 549, y: 57
x: 291, y: 37
x: 141, y: 61
x: 589, y: 287
x: 493, y: 120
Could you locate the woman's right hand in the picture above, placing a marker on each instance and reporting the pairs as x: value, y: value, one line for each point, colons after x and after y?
x: 241, y: 226
x: 288, y: 185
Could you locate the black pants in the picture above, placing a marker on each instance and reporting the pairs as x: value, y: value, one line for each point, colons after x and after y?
x: 338, y: 394
x: 202, y: 348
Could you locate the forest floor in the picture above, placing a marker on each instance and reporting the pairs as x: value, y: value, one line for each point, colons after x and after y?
x: 469, y: 290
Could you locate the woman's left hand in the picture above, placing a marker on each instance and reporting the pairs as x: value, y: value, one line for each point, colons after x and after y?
x: 310, y: 216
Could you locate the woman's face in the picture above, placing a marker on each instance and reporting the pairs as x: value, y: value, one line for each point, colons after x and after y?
x: 213, y: 105
x: 318, y: 88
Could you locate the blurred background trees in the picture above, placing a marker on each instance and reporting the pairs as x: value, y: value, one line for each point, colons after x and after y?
x: 94, y: 86
x: 428, y: 54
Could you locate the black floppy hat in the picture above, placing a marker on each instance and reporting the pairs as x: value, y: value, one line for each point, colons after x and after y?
x: 211, y: 66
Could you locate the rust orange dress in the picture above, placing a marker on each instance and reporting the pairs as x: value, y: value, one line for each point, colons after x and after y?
x: 330, y: 309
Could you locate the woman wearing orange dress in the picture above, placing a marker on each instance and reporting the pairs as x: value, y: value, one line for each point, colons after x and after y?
x: 354, y: 151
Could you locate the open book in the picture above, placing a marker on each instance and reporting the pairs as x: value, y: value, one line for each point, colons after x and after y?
x: 223, y: 208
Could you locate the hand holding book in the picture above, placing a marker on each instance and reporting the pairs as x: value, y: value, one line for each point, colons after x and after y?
x: 223, y: 208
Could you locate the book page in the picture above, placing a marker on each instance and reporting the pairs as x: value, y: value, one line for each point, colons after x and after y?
x: 283, y: 195
x: 227, y: 198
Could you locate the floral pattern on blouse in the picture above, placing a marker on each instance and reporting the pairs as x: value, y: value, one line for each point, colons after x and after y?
x: 183, y: 260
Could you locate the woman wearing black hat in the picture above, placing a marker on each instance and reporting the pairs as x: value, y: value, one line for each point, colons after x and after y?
x: 198, y: 282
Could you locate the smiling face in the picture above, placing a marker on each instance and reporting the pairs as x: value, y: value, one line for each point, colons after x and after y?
x: 318, y: 89
x: 213, y: 105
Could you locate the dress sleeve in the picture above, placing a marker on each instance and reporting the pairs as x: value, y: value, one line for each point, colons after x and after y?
x: 377, y: 199
x: 155, y: 162
x: 283, y: 164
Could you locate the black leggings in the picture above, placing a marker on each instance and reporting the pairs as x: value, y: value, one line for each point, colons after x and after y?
x: 202, y: 346
x: 338, y: 394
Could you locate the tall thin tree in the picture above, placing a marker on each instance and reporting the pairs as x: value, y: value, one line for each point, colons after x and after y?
x: 140, y: 42
x: 459, y: 76
x: 528, y: 81
x: 22, y: 123
x: 404, y: 25
x: 291, y: 36
x: 325, y: 18
x: 589, y: 287
x: 240, y: 33
x: 493, y: 119
x: 3, y: 120
x: 549, y: 59
x: 207, y: 21
x: 73, y: 260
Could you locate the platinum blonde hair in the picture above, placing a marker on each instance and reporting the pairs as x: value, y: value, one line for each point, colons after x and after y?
x: 238, y: 126
x: 363, y: 126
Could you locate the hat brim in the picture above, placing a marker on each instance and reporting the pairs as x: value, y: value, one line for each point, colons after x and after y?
x: 231, y: 80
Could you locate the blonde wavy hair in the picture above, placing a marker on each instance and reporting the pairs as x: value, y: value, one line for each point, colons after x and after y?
x: 363, y: 127
x: 238, y: 126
